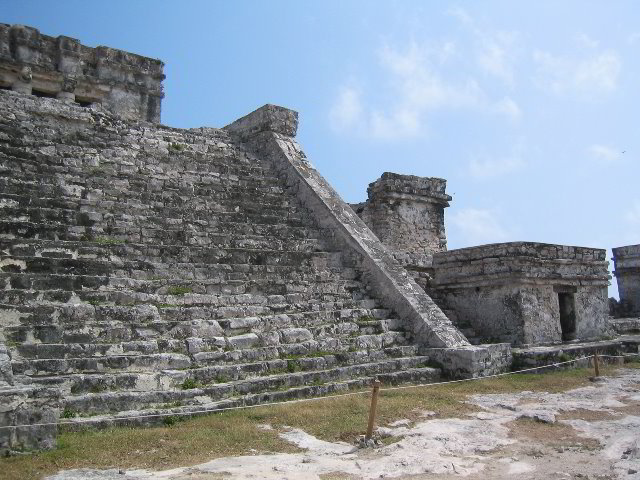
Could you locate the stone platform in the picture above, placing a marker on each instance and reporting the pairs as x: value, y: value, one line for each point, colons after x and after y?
x: 535, y: 356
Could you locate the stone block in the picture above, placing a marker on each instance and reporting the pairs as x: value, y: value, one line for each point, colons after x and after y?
x: 248, y: 340
x: 472, y: 361
x: 295, y: 335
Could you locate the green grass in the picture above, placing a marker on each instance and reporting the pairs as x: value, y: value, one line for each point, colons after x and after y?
x: 187, y: 442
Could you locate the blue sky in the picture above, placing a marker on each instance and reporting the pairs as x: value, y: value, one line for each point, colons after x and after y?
x: 525, y: 108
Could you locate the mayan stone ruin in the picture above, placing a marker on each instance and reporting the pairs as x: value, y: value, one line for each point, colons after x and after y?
x: 155, y: 270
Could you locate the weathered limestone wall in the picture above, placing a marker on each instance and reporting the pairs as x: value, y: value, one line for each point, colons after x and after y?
x: 626, y: 262
x: 129, y: 85
x: 407, y: 214
x: 511, y: 292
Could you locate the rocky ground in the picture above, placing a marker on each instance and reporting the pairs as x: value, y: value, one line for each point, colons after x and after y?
x: 586, y: 433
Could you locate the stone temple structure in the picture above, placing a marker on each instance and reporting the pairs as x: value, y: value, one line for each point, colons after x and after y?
x: 155, y: 270
x: 518, y: 292
x: 127, y: 84
x: 150, y: 270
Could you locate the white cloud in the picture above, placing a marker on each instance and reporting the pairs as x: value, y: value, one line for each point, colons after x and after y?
x: 495, y: 50
x: 478, y: 226
x: 420, y: 80
x: 632, y: 216
x: 633, y: 37
x: 346, y: 112
x: 604, y: 154
x: 585, y: 40
x: 482, y: 168
x: 421, y: 86
x: 630, y: 235
x: 417, y: 88
x: 509, y: 108
x: 594, y: 75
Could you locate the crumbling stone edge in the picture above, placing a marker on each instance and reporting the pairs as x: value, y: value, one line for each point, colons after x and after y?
x: 270, y: 132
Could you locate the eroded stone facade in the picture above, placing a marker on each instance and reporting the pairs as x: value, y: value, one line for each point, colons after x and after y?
x: 525, y: 292
x: 61, y: 67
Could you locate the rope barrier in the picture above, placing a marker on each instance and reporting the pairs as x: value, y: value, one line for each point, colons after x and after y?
x: 300, y: 400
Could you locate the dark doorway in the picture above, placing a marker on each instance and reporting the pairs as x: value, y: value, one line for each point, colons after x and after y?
x: 41, y: 93
x: 567, y: 304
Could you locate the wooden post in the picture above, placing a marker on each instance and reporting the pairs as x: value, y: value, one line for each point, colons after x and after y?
x: 372, y: 410
x: 596, y: 363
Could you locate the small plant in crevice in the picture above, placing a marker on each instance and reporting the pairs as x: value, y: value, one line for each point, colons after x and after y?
x: 189, y: 384
x: 293, y: 366
x: 107, y: 241
x: 68, y: 413
x: 178, y: 290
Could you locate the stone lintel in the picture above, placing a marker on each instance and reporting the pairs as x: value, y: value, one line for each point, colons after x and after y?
x: 268, y: 118
x: 516, y: 280
x: 501, y: 251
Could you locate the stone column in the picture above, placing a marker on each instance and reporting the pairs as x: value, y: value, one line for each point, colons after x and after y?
x: 23, y: 83
x: 6, y: 371
x: 626, y: 262
x: 66, y: 94
x: 407, y: 214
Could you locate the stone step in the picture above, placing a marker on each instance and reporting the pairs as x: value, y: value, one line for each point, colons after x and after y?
x: 100, y: 210
x: 268, y: 283
x: 168, y: 411
x: 228, y: 369
x: 207, y: 168
x: 390, y: 371
x: 142, y: 361
x: 130, y: 259
x: 225, y: 302
x: 217, y: 341
x: 66, y: 248
x: 136, y: 315
x: 43, y: 324
x: 56, y: 180
x: 204, y: 364
x: 196, y: 337
x: 204, y: 219
x: 195, y: 235
x: 208, y: 193
x: 216, y: 198
x: 220, y: 279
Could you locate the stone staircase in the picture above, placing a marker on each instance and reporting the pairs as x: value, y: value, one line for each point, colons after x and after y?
x: 150, y: 269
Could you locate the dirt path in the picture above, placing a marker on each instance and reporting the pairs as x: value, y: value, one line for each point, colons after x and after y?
x: 587, y: 433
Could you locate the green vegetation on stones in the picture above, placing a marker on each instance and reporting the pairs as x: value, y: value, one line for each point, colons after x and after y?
x: 293, y: 366
x: 178, y: 290
x: 68, y: 413
x: 189, y: 384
